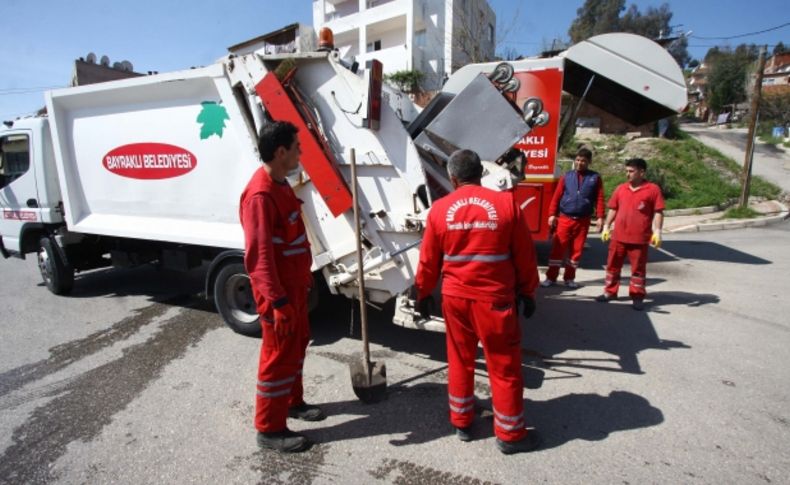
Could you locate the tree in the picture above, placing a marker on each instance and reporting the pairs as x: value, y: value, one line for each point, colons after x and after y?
x: 603, y: 16
x: 779, y: 48
x: 775, y: 107
x: 728, y: 75
x: 596, y: 17
x: 406, y: 81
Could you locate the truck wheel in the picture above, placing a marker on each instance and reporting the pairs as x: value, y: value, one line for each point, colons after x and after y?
x: 234, y: 301
x: 57, y: 274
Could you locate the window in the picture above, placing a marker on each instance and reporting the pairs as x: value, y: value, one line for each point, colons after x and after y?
x: 14, y: 158
x: 419, y: 38
x: 374, y: 46
x: 490, y: 33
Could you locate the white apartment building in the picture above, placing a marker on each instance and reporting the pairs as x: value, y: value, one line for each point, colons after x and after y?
x: 433, y: 36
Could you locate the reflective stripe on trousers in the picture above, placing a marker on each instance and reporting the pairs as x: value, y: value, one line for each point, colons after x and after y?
x: 268, y: 385
x: 508, y: 423
x: 462, y: 404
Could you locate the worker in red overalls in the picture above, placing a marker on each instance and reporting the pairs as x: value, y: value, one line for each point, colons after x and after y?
x: 278, y: 260
x: 636, y: 208
x: 578, y: 196
x: 478, y: 240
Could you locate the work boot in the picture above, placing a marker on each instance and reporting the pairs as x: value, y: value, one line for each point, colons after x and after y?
x: 285, y: 441
x: 547, y: 282
x: 529, y: 443
x: 638, y: 304
x: 464, y: 434
x: 605, y: 298
x: 306, y: 412
x: 572, y: 284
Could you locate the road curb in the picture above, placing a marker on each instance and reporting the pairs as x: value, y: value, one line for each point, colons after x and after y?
x: 693, y: 211
x: 734, y: 223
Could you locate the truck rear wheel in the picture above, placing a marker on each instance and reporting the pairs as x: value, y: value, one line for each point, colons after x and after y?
x: 57, y: 274
x: 234, y: 301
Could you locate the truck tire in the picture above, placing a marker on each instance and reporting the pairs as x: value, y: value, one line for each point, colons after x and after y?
x: 234, y: 301
x: 57, y: 274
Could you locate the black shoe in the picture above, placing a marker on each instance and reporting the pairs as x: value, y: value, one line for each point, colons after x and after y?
x: 605, y: 298
x: 464, y: 434
x: 638, y: 304
x: 306, y: 412
x: 285, y: 441
x: 529, y: 443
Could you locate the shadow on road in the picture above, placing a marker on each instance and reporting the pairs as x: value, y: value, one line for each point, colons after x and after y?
x: 419, y: 413
x: 595, y: 253
x: 143, y: 280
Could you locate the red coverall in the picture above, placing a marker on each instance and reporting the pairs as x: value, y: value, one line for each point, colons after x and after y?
x: 278, y: 260
x: 633, y: 226
x: 480, y: 243
x: 571, y: 232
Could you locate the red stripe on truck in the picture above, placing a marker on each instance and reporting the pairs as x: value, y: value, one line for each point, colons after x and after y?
x: 316, y: 159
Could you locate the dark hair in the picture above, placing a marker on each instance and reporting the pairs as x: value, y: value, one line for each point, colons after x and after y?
x: 275, y: 135
x: 465, y: 166
x: 636, y: 163
x: 584, y: 152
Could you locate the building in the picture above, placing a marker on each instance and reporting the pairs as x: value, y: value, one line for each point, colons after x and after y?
x: 697, y: 89
x: 88, y: 71
x: 435, y: 37
x: 776, y: 76
x: 291, y: 38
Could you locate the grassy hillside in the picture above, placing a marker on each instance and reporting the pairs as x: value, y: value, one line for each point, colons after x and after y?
x: 690, y: 174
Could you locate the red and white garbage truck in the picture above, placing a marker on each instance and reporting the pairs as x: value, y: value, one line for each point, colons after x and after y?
x: 150, y: 169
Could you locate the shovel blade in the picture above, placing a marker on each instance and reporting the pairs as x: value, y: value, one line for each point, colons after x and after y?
x: 369, y: 388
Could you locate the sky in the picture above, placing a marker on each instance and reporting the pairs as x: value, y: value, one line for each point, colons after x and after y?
x: 42, y: 38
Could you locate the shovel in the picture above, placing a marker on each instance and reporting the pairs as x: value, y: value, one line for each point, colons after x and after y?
x: 369, y: 379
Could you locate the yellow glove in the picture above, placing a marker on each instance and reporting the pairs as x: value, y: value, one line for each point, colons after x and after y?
x: 655, y: 240
x: 606, y: 234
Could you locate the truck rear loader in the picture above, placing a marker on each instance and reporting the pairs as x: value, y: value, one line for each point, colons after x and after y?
x: 150, y: 169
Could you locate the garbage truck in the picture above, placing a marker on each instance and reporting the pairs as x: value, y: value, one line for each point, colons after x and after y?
x: 150, y: 169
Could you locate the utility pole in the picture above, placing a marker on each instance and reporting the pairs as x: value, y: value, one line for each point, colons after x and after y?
x: 747, y: 162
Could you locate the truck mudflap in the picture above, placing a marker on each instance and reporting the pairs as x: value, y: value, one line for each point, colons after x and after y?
x: 3, y: 250
x: 316, y: 159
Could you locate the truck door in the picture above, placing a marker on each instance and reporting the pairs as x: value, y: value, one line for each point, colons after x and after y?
x: 18, y: 189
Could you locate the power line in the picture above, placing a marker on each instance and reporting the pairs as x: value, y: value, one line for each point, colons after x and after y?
x: 26, y: 90
x: 742, y: 35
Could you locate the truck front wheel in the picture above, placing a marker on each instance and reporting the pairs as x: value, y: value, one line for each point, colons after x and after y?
x: 234, y: 301
x: 57, y: 274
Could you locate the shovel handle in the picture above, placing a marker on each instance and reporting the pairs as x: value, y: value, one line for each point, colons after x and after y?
x: 363, y: 314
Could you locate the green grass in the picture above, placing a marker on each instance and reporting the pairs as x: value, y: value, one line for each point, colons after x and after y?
x: 689, y: 173
x: 771, y: 140
x: 740, y: 213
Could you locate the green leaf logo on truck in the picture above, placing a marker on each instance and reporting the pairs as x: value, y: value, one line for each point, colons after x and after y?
x: 212, y: 117
x: 149, y: 161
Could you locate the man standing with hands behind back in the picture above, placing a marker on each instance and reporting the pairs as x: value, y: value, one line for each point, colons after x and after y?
x: 277, y: 258
x: 578, y: 197
x: 637, y: 210
x: 478, y: 240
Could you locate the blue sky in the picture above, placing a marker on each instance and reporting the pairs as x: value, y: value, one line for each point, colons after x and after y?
x: 43, y: 37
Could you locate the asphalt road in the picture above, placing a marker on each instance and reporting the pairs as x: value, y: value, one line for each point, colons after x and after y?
x: 133, y: 379
x: 768, y: 161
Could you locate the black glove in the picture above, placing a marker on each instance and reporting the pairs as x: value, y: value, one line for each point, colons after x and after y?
x: 528, y: 307
x: 425, y: 307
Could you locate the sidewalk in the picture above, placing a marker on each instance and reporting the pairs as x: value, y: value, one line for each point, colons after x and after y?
x: 710, y: 218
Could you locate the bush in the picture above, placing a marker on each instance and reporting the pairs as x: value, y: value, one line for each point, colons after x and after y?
x: 407, y: 81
